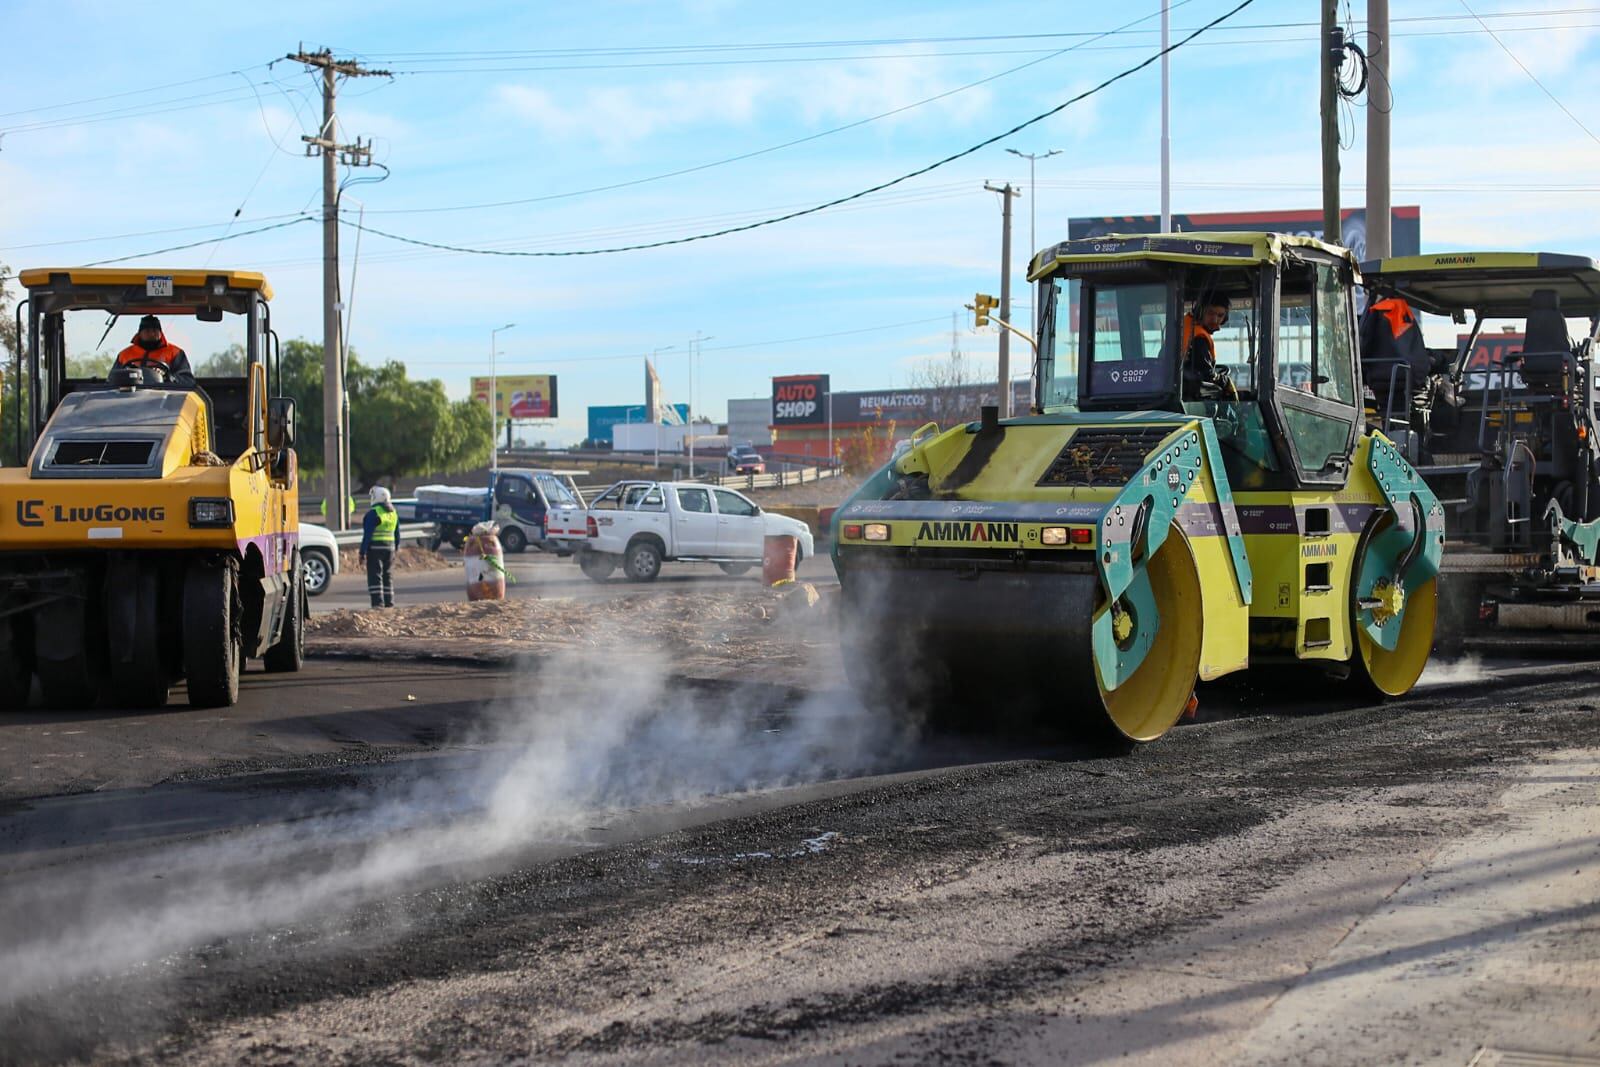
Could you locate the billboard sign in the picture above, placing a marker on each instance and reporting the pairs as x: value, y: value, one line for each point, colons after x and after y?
x: 793, y: 396
x: 605, y: 418
x: 800, y: 400
x: 522, y: 396
x: 1405, y: 226
x: 956, y: 403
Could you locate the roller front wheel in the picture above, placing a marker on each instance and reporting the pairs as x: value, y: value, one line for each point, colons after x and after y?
x: 1152, y: 700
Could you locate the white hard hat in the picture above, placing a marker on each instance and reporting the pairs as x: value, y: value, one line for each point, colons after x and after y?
x: 379, y: 495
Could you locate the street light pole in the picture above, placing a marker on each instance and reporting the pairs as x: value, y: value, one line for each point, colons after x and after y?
x: 694, y: 354
x: 1033, y: 157
x: 494, y: 400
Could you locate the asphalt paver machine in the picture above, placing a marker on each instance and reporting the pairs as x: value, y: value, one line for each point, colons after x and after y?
x: 1501, y: 424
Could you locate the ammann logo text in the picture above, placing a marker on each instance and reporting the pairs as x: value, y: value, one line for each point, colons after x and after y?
x: 976, y: 532
x: 34, y: 513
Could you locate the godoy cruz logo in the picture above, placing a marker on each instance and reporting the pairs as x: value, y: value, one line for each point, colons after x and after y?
x: 31, y: 513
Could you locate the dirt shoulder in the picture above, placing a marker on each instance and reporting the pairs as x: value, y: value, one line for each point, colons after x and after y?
x: 409, y: 558
x: 767, y: 635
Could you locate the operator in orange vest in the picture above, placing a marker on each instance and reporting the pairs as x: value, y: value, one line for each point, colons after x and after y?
x: 150, y: 345
x: 1389, y: 336
x: 1202, y: 378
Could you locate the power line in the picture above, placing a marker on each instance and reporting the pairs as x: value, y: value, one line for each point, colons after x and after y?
x: 1530, y: 74
x: 128, y: 93
x: 838, y: 200
x: 144, y: 233
x: 770, y: 148
x: 494, y: 55
x: 207, y: 241
x: 214, y: 98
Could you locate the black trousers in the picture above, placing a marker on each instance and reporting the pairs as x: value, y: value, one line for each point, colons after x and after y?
x: 380, y: 577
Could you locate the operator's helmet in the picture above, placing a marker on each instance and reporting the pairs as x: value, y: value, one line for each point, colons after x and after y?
x: 378, y: 495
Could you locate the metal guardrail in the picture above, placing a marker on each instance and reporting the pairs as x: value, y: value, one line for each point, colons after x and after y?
x: 352, y: 538
x: 776, y: 480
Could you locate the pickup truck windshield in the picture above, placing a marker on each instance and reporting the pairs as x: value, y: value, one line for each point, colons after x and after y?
x: 556, y: 491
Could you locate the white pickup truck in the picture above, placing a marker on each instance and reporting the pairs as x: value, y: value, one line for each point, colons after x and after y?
x: 641, y: 525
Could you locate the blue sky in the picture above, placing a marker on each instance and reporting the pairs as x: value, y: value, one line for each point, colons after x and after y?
x: 494, y: 103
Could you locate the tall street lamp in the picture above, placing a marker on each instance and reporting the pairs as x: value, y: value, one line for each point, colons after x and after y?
x: 494, y: 400
x: 1032, y: 158
x: 694, y: 356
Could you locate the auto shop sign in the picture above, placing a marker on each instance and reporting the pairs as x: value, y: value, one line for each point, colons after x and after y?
x: 800, y: 400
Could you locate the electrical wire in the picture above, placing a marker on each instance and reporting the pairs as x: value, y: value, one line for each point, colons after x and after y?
x: 197, y: 244
x: 143, y: 233
x: 697, y: 168
x: 1553, y: 99
x: 1128, y: 72
x: 128, y: 93
x: 493, y: 55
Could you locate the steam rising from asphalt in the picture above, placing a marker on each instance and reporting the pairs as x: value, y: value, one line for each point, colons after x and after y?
x: 1464, y: 671
x: 596, y: 729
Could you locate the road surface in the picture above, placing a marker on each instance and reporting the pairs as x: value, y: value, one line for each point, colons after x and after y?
x: 492, y: 872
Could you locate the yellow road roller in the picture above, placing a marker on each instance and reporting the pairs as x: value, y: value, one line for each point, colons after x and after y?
x: 149, y: 522
x: 1194, y: 490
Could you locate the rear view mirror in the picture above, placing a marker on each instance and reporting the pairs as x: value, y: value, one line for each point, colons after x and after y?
x: 208, y: 314
x: 280, y: 422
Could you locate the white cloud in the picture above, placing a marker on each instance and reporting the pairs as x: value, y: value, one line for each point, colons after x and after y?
x: 617, y: 116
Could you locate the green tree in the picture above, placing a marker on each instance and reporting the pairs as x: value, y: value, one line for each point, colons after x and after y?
x: 302, y: 379
x: 13, y: 389
x: 398, y: 426
x: 229, y: 363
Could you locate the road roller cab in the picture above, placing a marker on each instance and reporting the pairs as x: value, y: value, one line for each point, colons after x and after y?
x: 1146, y: 526
x: 150, y: 522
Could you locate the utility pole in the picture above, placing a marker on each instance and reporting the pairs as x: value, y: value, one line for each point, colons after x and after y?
x: 326, y: 145
x: 1379, y: 103
x: 1007, y: 192
x: 1166, y: 139
x: 1332, y: 60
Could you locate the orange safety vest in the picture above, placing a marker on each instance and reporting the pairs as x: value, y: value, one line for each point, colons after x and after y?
x: 1396, y: 312
x: 1191, y: 329
x: 165, y: 354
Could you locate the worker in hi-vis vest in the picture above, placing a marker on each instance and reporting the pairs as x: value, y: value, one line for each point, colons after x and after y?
x: 380, y: 536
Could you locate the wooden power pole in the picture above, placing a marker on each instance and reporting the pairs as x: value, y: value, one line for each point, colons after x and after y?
x: 1332, y: 60
x: 335, y: 449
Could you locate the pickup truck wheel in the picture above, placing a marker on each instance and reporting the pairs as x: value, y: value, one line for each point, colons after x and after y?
x: 597, y: 565
x: 514, y: 540
x: 318, y: 568
x: 643, y: 561
x: 733, y: 570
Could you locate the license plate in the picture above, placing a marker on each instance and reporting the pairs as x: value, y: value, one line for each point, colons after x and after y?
x: 158, y: 285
